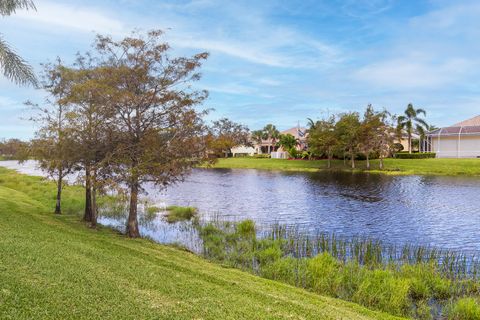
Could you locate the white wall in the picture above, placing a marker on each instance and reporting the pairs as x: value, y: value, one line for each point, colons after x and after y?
x: 452, y: 147
x: 243, y: 150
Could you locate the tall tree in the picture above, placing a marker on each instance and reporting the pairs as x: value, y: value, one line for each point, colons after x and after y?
x: 347, y: 130
x: 12, y: 65
x: 411, y: 122
x: 257, y: 137
x: 92, y: 129
x: 370, y: 132
x: 271, y: 134
x: 161, y: 133
x: 53, y: 146
x: 225, y: 134
x: 322, y: 138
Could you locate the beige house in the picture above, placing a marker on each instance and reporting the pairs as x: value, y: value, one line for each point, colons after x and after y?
x: 461, y: 140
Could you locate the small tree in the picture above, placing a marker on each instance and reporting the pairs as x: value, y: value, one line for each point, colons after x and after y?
x: 347, y: 130
x: 161, y: 135
x: 322, y: 138
x: 225, y: 134
x: 53, y: 145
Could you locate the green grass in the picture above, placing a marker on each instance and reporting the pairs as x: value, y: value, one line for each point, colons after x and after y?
x: 392, y: 166
x: 403, y: 281
x: 177, y: 213
x: 54, y: 267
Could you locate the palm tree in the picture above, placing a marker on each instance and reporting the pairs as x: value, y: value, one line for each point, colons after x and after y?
x: 271, y: 134
x: 257, y: 137
x: 410, y: 122
x: 12, y: 65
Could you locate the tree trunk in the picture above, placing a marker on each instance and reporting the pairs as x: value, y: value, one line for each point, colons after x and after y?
x: 381, y: 163
x: 368, y: 161
x: 132, y: 223
x: 87, y: 216
x: 329, y: 161
x: 58, y: 204
x: 409, y: 143
x: 94, y: 200
x: 352, y: 159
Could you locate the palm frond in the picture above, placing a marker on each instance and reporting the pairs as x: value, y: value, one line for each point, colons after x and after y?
x: 421, y: 111
x: 14, y: 67
x: 7, y: 7
x: 422, y: 122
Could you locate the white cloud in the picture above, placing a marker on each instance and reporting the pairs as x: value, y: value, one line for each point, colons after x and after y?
x: 80, y: 18
x: 407, y: 73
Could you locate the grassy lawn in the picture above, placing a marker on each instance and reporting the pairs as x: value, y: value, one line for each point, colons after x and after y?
x: 53, y: 267
x: 392, y: 166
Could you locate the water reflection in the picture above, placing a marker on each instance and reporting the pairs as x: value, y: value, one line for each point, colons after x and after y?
x: 428, y: 210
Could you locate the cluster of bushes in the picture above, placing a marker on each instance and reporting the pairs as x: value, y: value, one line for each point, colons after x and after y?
x: 417, y: 286
x: 423, y: 155
x: 261, y: 156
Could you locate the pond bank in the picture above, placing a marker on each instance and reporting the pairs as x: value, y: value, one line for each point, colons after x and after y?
x: 464, y: 167
x: 66, y: 270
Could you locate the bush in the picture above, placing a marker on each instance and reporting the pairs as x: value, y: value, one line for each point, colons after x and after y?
x: 261, y: 156
x: 423, y: 155
x: 464, y: 309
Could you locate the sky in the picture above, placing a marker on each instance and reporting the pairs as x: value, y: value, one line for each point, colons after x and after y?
x: 276, y: 61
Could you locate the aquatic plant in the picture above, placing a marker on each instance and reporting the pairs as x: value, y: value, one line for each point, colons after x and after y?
x: 407, y: 280
x: 177, y: 213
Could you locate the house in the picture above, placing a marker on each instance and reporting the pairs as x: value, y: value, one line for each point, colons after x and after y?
x: 300, y: 134
x: 461, y: 140
x: 240, y: 151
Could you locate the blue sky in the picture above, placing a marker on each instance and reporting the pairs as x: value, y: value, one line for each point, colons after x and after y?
x: 278, y: 61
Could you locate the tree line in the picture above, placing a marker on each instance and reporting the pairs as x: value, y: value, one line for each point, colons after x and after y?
x: 125, y: 114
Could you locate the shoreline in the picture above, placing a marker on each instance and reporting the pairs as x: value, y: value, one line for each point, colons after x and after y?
x: 393, y: 167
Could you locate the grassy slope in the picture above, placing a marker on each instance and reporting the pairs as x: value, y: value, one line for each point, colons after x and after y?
x: 54, y: 267
x: 392, y: 166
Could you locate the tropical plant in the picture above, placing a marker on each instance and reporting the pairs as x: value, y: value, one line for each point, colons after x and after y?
x: 257, y: 137
x: 287, y: 141
x: 410, y: 123
x: 271, y: 134
x: 12, y: 65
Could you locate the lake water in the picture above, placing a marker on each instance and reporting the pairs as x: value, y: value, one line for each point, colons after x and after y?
x: 439, y: 211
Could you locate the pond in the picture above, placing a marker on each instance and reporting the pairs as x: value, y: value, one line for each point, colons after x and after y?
x: 438, y: 211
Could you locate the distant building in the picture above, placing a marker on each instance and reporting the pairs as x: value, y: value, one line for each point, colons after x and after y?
x: 461, y: 140
x: 240, y: 151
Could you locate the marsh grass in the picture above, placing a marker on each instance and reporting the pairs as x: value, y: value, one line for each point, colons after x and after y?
x: 408, y: 280
x: 177, y: 213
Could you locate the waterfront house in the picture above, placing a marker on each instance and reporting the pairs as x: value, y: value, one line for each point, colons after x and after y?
x: 461, y: 140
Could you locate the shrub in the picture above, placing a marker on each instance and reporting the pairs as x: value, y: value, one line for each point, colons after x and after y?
x: 423, y: 155
x: 261, y: 156
x: 464, y: 309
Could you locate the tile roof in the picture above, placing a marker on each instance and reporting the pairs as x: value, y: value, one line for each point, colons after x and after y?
x: 475, y: 121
